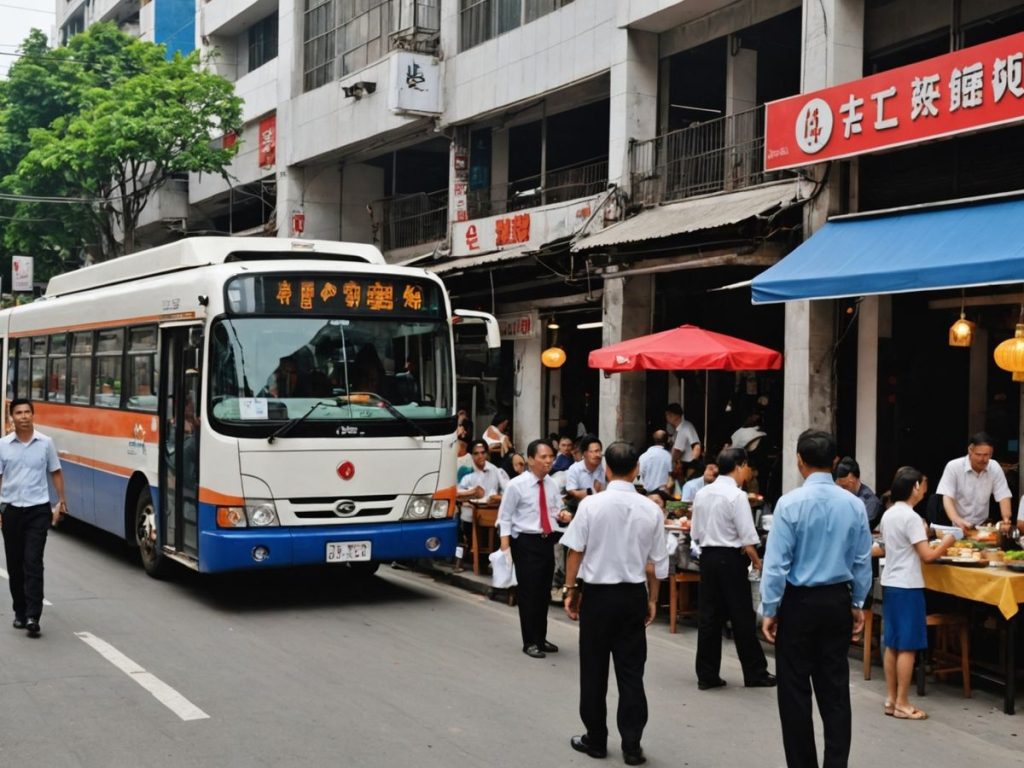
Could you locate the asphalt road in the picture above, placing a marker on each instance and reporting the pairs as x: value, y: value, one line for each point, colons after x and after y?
x: 310, y: 669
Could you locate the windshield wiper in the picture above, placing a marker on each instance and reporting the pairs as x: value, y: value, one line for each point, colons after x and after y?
x: 366, y: 397
x: 287, y: 427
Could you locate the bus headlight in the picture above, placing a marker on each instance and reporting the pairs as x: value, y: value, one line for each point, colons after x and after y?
x: 261, y: 513
x: 417, y: 508
x: 439, y: 508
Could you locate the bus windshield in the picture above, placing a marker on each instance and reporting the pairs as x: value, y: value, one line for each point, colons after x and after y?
x: 269, y: 370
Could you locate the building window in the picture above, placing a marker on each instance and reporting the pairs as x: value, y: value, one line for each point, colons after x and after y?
x: 482, y: 20
x: 363, y: 29
x: 318, y: 43
x: 263, y: 42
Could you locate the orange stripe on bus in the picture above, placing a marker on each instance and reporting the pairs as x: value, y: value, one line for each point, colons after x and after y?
x: 169, y: 317
x: 206, y: 496
x: 102, y: 422
x: 85, y: 461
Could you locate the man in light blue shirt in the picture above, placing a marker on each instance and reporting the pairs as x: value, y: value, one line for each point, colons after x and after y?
x: 689, y: 490
x: 26, y: 458
x: 817, y: 572
x: 656, y: 463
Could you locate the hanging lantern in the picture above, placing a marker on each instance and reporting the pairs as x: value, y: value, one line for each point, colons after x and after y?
x: 1010, y: 354
x: 553, y: 357
x: 961, y: 333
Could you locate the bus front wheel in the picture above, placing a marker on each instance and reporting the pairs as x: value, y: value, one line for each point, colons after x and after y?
x: 146, y: 537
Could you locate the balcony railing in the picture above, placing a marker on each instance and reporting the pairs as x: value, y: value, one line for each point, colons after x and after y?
x: 569, y: 182
x: 714, y: 156
x: 407, y: 220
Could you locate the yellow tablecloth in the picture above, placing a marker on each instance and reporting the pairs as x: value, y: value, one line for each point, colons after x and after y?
x: 995, y: 586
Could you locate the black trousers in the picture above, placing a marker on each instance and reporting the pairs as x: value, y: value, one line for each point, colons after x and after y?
x: 534, y: 558
x: 612, y: 625
x: 725, y: 595
x: 25, y: 530
x: 811, y: 644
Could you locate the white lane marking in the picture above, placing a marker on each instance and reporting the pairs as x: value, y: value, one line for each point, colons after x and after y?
x: 5, y: 575
x: 161, y: 691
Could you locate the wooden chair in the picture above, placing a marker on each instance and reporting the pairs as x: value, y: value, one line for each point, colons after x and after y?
x: 484, y: 522
x: 869, y: 638
x: 946, y: 624
x: 679, y: 599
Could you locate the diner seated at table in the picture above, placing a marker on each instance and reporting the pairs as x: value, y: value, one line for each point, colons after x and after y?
x: 847, y: 475
x: 690, y: 488
x: 586, y: 476
x: 968, y: 482
x: 485, y: 482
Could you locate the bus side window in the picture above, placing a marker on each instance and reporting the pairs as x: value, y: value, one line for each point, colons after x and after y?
x: 37, y: 367
x: 24, y: 367
x: 142, y: 369
x: 109, y: 349
x: 81, y: 368
x: 57, y: 369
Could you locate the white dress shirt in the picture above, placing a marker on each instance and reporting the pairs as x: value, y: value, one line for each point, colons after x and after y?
x: 490, y: 478
x: 971, y: 490
x: 721, y: 516
x: 618, y: 532
x: 686, y: 438
x: 579, y: 478
x: 655, y: 467
x: 520, y: 506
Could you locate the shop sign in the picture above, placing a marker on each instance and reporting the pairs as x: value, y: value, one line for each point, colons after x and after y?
x: 529, y: 229
x: 415, y: 83
x: 21, y: 273
x: 523, y: 326
x: 267, y: 150
x: 966, y: 90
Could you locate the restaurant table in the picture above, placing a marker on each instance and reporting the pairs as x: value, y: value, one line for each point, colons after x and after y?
x: 1000, y: 587
x: 485, y: 518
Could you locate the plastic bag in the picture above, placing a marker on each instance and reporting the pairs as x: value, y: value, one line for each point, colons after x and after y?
x: 503, y: 570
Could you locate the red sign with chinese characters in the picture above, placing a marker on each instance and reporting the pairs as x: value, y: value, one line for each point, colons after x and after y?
x: 512, y: 230
x: 962, y: 91
x: 267, y: 151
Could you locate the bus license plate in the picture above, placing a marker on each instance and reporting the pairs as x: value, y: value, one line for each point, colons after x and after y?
x: 347, y: 551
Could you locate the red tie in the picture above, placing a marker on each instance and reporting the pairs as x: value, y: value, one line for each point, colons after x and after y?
x: 545, y: 521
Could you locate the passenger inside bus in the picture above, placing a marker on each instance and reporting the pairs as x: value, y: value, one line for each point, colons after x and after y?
x: 367, y: 373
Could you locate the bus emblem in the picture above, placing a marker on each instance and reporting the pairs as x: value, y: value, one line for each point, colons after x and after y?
x: 345, y: 508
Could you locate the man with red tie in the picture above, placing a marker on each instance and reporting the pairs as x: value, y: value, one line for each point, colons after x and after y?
x: 529, y: 512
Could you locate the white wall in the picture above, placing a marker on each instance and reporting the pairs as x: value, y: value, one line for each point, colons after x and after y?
x: 231, y: 17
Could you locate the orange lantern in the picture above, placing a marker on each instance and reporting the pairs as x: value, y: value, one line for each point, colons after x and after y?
x: 1010, y: 354
x: 553, y: 357
x: 961, y: 333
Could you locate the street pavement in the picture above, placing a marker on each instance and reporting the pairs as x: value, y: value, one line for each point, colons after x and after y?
x: 311, y: 669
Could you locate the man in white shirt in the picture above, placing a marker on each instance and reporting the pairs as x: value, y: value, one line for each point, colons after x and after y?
x: 686, y: 448
x: 530, y: 510
x: 586, y: 476
x: 656, y: 463
x: 616, y: 546
x: 970, y: 481
x: 690, y: 487
x: 486, y: 480
x: 724, y: 527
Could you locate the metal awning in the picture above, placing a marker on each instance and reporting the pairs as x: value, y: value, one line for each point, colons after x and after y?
x: 963, y: 245
x: 484, y: 259
x: 692, y: 215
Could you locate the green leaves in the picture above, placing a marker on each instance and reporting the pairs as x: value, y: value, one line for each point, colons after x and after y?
x: 107, y: 118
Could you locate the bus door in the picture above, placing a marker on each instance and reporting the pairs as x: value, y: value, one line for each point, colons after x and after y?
x: 181, y: 376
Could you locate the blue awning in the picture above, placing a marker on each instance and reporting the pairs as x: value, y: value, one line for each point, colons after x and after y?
x: 951, y: 247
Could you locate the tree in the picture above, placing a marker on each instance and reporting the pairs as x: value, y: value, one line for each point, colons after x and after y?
x: 122, y: 119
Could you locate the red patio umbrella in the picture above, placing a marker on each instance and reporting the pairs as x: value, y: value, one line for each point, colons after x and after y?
x: 686, y: 348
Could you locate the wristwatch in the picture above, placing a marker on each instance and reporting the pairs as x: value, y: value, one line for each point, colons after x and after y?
x: 567, y: 587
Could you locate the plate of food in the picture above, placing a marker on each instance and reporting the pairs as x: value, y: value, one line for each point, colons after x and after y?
x: 1016, y: 566
x: 964, y: 562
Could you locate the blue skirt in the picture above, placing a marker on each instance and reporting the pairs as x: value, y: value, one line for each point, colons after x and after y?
x: 903, y: 619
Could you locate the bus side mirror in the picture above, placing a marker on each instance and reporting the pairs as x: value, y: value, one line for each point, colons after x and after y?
x: 473, y: 316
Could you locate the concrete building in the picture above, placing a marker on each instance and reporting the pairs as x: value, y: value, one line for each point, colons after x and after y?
x: 593, y: 170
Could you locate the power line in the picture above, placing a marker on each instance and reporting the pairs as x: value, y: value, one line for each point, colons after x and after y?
x: 27, y: 8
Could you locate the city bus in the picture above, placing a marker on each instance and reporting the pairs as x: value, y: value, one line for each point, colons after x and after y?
x: 234, y: 403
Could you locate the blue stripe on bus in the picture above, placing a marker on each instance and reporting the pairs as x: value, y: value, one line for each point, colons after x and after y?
x: 226, y: 550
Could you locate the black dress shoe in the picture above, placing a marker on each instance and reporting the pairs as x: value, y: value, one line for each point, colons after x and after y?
x: 534, y: 652
x: 633, y: 757
x: 707, y: 685
x: 32, y: 625
x: 548, y: 647
x: 766, y: 680
x: 580, y: 744
x: 19, y: 623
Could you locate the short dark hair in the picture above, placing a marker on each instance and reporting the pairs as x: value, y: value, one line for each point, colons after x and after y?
x: 621, y: 458
x: 729, y: 459
x: 587, y: 440
x: 847, y: 466
x: 482, y: 443
x: 982, y: 438
x: 531, y: 449
x: 498, y: 418
x: 674, y: 408
x: 22, y: 401
x: 817, y: 448
x: 903, y: 483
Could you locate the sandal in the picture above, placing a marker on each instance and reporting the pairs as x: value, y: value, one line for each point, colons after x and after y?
x: 890, y: 709
x: 913, y: 714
